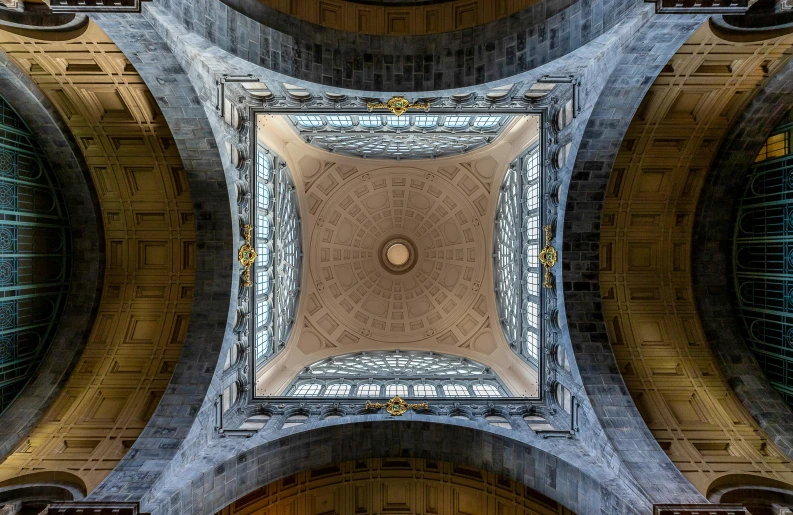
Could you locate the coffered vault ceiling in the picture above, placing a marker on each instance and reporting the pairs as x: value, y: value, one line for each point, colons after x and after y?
x: 648, y: 215
x: 354, y: 299
x: 149, y: 280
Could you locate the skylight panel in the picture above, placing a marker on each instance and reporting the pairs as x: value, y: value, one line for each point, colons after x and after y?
x: 309, y: 121
x: 456, y: 121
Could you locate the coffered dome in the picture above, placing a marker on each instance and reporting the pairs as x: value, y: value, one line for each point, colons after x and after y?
x: 399, y: 253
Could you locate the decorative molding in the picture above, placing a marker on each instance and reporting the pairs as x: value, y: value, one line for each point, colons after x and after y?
x: 396, y: 406
x: 398, y: 105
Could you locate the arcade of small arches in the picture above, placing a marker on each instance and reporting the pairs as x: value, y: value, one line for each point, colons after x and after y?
x: 563, y: 288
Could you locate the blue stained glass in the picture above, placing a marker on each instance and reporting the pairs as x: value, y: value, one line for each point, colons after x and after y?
x: 763, y: 267
x: 34, y: 255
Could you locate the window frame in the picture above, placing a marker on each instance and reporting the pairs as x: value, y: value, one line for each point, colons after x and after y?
x: 280, y: 185
x: 517, y: 171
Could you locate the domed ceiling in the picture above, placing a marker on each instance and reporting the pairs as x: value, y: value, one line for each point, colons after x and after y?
x: 439, y: 224
x: 398, y: 256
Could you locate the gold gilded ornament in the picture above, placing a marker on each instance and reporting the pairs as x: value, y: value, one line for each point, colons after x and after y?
x: 396, y: 406
x: 398, y: 105
x: 246, y: 256
x: 548, y: 256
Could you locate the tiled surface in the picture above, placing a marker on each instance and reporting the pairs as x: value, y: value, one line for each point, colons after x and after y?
x: 645, y: 56
x: 501, y: 49
x: 189, y: 394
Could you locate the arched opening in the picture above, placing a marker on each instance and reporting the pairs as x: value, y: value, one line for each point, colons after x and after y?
x: 395, y: 485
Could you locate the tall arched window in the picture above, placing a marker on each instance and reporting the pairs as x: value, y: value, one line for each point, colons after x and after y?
x: 403, y: 373
x: 276, y: 271
x: 517, y: 243
x: 35, y: 255
x: 763, y: 259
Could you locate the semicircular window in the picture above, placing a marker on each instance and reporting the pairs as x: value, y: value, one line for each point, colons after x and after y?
x: 516, y: 247
x: 410, y: 136
x: 34, y: 255
x: 276, y: 271
x: 390, y: 373
x: 763, y: 260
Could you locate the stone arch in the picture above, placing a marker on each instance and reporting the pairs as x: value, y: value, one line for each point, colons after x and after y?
x: 583, y: 487
x: 582, y: 312
x: 463, y: 57
x: 404, y: 485
x: 60, y: 485
x: 759, y: 494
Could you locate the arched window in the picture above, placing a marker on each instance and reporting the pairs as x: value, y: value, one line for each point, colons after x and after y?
x: 455, y: 390
x: 276, y: 271
x: 404, y: 373
x: 486, y: 390
x: 35, y: 255
x: 337, y: 390
x: 409, y: 136
x: 763, y: 259
x: 307, y: 390
x: 517, y: 243
x: 368, y: 390
x: 400, y: 389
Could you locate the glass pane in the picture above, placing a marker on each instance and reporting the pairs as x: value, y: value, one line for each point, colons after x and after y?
x: 455, y: 390
x: 396, y: 389
x: 397, y: 121
x: 337, y: 390
x: 455, y: 121
x: 486, y: 122
x: 309, y: 120
x: 370, y: 120
x: 307, y: 390
x: 368, y: 390
x: 339, y: 121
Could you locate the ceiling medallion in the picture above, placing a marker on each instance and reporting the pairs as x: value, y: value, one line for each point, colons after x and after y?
x: 548, y: 257
x: 398, y: 255
x: 398, y: 105
x: 247, y: 256
x: 396, y: 406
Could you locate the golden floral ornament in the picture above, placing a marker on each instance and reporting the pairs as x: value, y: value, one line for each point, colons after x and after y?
x: 396, y: 406
x: 398, y: 105
x: 247, y: 256
x: 548, y: 257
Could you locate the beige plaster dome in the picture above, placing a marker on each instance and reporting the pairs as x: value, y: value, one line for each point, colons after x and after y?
x: 436, y: 215
x: 429, y: 213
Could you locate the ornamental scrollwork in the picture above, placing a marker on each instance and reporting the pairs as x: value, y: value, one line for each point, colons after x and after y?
x: 398, y: 105
x: 396, y: 406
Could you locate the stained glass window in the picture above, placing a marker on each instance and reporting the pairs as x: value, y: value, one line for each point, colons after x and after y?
x: 276, y: 271
x: 763, y: 260
x: 35, y: 250
x: 410, y: 136
x: 516, y: 247
x: 403, y: 373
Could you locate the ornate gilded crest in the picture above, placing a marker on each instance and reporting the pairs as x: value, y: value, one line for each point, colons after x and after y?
x: 247, y: 255
x: 548, y: 256
x: 398, y: 105
x: 396, y: 406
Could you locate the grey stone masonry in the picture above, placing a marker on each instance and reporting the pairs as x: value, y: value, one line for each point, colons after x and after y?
x: 500, y: 49
x: 191, y: 392
x: 711, y: 257
x: 645, y: 55
x: 88, y: 254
